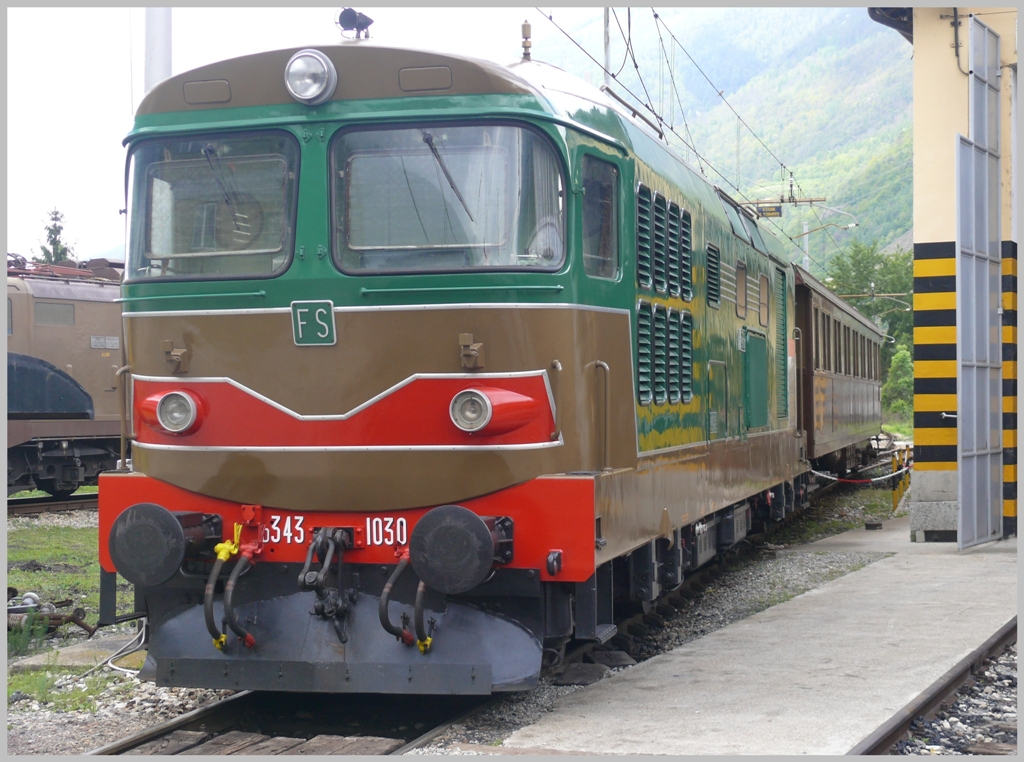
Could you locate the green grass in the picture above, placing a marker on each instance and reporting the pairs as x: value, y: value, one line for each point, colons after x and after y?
x: 41, y: 685
x: 66, y: 566
x: 87, y: 490
x: 902, y: 430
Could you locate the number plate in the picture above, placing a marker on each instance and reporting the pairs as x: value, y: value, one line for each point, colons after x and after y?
x: 288, y: 530
x: 386, y: 530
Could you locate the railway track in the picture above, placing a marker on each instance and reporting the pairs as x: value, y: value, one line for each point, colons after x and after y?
x: 254, y: 722
x: 938, y: 695
x: 26, y: 506
x: 302, y: 724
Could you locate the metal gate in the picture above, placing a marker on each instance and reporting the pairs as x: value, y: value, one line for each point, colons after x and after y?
x: 978, y: 301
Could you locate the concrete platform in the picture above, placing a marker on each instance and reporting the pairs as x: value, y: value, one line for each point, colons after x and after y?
x: 813, y: 675
x: 86, y: 654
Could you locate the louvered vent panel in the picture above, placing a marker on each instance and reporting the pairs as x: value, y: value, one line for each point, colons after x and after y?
x: 643, y: 236
x: 714, y: 276
x: 674, y: 229
x: 675, y: 389
x: 660, y: 355
x: 685, y: 259
x: 781, y: 390
x: 660, y: 243
x: 686, y: 356
x: 645, y: 353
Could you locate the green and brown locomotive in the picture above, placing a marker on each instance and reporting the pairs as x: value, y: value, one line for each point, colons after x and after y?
x: 434, y: 364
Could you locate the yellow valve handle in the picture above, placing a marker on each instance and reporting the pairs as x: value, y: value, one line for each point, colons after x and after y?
x: 225, y: 550
x: 424, y: 645
x: 221, y: 641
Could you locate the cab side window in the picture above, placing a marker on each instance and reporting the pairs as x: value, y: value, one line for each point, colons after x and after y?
x: 600, y: 218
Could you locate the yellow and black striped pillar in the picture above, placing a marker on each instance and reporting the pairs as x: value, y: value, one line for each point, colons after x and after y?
x: 935, y: 393
x: 1009, y: 267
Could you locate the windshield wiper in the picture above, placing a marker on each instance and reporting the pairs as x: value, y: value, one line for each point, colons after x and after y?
x: 429, y: 140
x: 208, y: 152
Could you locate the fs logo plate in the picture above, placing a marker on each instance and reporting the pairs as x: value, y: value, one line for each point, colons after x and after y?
x: 313, y: 323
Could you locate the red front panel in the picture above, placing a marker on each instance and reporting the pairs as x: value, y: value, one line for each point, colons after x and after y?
x: 415, y: 414
x: 549, y: 513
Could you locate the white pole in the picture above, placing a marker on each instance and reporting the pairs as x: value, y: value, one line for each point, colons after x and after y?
x: 607, y: 50
x: 158, y: 46
x: 807, y: 250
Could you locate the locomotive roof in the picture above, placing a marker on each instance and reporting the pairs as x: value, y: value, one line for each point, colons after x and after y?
x: 365, y: 71
x: 77, y: 289
x: 806, y: 279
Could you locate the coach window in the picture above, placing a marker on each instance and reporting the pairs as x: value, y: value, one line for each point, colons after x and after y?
x: 817, y: 340
x: 54, y: 313
x: 741, y: 290
x: 762, y: 300
x: 600, y: 218
x: 837, y: 346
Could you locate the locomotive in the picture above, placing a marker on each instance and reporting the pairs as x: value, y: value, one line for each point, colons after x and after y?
x: 63, y: 352
x: 435, y: 365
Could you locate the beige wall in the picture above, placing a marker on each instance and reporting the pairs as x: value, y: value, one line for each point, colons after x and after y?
x: 941, y: 111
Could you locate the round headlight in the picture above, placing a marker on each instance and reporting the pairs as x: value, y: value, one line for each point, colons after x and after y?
x: 310, y: 77
x: 177, y: 412
x: 470, y: 410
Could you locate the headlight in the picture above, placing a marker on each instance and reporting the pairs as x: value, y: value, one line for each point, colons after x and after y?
x: 470, y: 410
x: 177, y: 412
x: 310, y: 77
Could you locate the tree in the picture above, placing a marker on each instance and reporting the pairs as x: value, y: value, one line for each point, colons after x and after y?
x: 898, y: 390
x: 863, y: 269
x: 55, y: 250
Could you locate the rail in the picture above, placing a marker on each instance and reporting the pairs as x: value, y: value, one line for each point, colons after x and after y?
x: 28, y: 506
x: 895, y: 728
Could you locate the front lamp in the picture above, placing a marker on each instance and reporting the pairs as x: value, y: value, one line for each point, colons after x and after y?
x: 310, y: 77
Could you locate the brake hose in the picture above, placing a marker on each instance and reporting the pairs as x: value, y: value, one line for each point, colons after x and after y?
x: 423, y: 641
x: 229, y: 612
x: 219, y: 638
x: 401, y: 633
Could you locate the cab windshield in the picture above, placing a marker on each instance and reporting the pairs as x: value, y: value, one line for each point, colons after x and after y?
x: 446, y: 198
x: 212, y: 206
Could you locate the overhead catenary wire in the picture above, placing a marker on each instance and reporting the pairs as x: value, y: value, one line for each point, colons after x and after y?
x: 661, y: 121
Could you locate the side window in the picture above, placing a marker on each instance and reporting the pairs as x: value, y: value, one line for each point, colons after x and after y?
x: 762, y: 296
x: 755, y: 234
x: 741, y: 290
x: 837, y: 331
x: 816, y: 327
x: 734, y: 220
x: 714, y: 277
x: 10, y: 317
x: 600, y: 218
x: 54, y: 313
x: 826, y: 340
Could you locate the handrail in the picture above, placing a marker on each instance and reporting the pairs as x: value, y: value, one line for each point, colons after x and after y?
x: 188, y: 296
x: 636, y: 112
x: 437, y: 289
x: 607, y: 413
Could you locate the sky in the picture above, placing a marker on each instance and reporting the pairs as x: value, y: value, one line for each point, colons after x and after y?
x: 76, y: 75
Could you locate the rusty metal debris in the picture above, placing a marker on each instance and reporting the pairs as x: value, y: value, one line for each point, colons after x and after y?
x: 29, y: 613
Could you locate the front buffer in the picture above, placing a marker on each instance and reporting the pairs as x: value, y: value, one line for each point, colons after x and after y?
x: 442, y: 600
